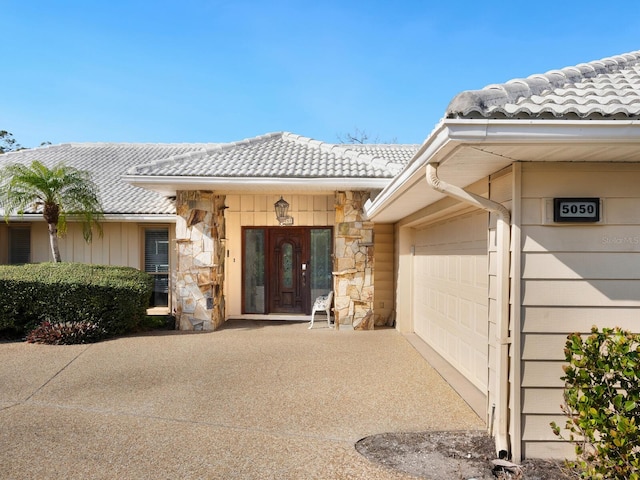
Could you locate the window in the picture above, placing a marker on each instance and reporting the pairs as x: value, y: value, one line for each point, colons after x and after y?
x: 19, y: 245
x: 156, y: 263
x: 253, y: 274
x: 321, y: 262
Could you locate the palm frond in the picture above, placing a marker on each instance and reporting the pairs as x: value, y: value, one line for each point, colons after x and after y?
x: 23, y: 187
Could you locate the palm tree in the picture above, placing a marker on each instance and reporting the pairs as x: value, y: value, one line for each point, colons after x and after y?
x: 59, y: 192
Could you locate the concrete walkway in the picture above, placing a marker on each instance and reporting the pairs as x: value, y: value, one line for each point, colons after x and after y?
x: 255, y: 400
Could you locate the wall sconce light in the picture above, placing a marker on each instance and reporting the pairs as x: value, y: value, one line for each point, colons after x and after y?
x: 282, y: 207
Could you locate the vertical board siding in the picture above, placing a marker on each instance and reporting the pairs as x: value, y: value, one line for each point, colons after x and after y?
x: 573, y: 277
x: 383, y: 273
x: 120, y: 245
x: 40, y: 249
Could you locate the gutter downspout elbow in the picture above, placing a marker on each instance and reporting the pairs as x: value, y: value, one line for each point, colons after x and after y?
x: 462, y: 195
x: 503, y: 241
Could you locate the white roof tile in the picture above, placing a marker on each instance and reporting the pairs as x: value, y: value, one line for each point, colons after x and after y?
x: 107, y: 162
x: 281, y: 155
x: 603, y: 89
x: 284, y: 155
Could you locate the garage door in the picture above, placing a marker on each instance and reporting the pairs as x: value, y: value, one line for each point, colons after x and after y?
x: 450, y: 297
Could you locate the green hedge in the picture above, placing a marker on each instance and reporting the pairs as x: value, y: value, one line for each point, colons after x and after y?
x: 114, y: 298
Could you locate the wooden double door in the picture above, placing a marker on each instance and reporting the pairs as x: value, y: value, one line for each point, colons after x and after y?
x: 283, y: 267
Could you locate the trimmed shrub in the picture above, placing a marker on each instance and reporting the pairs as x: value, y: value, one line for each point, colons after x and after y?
x: 113, y: 298
x: 602, y: 403
x: 68, y: 333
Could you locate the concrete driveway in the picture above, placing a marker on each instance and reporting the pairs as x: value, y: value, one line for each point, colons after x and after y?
x: 254, y: 400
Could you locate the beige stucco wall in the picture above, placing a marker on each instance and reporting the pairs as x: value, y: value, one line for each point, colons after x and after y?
x: 257, y: 210
x: 573, y: 277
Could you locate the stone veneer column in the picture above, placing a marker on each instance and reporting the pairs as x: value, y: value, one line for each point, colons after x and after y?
x: 353, y: 262
x: 198, y: 299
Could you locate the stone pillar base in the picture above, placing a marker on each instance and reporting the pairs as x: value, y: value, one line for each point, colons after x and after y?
x: 198, y: 299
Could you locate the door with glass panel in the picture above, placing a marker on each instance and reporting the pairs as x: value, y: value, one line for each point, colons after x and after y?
x: 284, y: 269
x: 289, y: 262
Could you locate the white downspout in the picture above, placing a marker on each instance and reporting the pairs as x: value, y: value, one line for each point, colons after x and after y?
x: 503, y: 239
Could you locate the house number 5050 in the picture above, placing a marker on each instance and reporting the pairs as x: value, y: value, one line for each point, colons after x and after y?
x: 576, y: 209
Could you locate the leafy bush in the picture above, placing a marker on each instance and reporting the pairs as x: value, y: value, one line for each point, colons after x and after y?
x: 602, y: 403
x: 113, y: 298
x: 68, y: 333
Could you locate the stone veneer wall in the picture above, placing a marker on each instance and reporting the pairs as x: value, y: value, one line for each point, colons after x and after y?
x: 198, y: 300
x: 353, y: 262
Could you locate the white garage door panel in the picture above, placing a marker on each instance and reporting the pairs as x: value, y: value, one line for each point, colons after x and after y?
x: 451, y: 293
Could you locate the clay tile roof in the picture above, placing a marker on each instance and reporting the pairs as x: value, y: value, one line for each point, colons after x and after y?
x: 107, y: 162
x: 284, y: 155
x: 602, y: 89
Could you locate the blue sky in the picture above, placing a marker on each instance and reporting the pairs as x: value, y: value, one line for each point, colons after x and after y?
x: 216, y: 71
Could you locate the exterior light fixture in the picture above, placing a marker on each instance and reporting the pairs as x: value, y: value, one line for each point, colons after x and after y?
x: 282, y: 207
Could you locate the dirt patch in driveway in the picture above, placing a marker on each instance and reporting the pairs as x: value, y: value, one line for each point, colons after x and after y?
x: 453, y: 455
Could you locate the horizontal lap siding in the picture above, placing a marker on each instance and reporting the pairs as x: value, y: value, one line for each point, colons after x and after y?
x: 572, y: 277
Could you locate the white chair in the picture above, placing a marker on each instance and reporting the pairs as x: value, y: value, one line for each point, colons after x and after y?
x: 323, y: 302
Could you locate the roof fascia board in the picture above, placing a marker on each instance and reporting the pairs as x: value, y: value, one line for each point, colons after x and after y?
x: 543, y: 131
x: 27, y: 217
x: 451, y: 134
x: 436, y: 145
x: 108, y: 218
x: 141, y: 217
x: 168, y: 185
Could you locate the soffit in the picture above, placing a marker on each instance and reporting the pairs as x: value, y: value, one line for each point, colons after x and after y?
x: 462, y: 163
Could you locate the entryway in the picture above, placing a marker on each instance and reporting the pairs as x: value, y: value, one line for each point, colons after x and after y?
x: 285, y: 268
